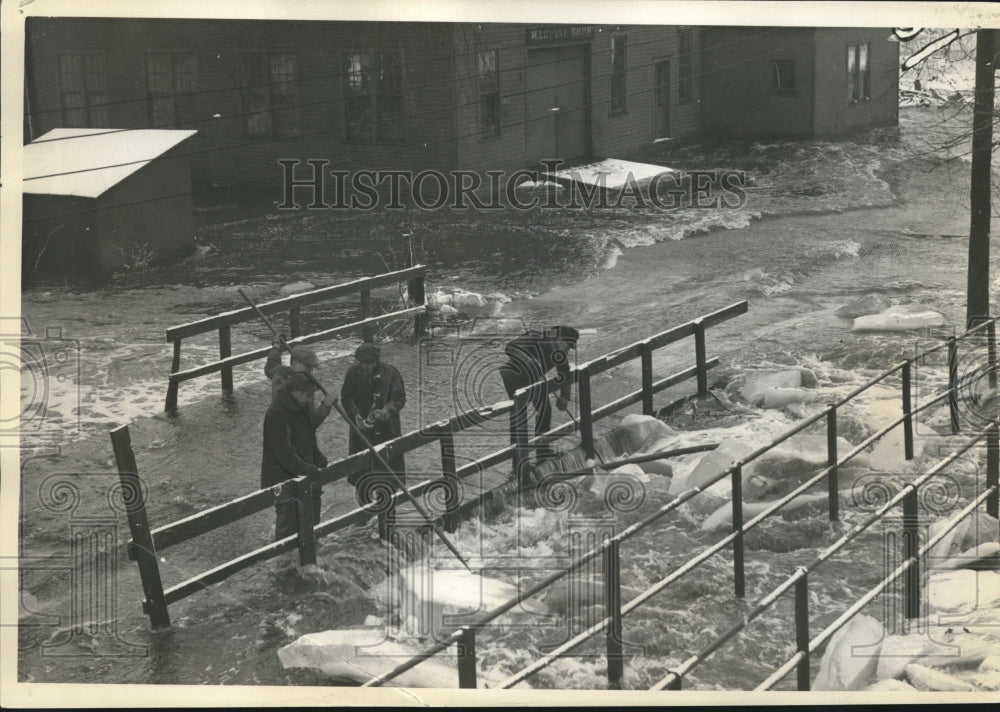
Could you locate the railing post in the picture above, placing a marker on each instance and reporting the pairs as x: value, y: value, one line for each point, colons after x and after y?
x: 699, y: 354
x: 739, y: 577
x: 225, y: 351
x: 993, y: 469
x: 142, y: 540
x: 586, y: 412
x: 367, y: 333
x: 802, y: 629
x: 519, y: 436
x: 991, y: 331
x: 911, y: 549
x: 613, y: 609
x: 907, y: 413
x: 831, y: 458
x: 415, y: 288
x: 953, y: 383
x: 173, y: 386
x: 450, y: 472
x: 467, y: 659
x: 646, y: 352
x: 304, y: 516
x: 295, y: 322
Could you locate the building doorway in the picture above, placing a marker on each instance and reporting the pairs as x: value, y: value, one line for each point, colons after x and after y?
x: 557, y: 97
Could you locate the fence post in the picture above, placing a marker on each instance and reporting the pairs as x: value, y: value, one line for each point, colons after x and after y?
x: 907, y: 414
x: 991, y: 346
x: 831, y: 458
x: 173, y: 385
x: 415, y: 289
x: 993, y: 469
x: 304, y: 516
x: 367, y: 333
x: 519, y: 436
x: 911, y: 549
x: 613, y: 608
x: 142, y: 540
x: 802, y: 629
x: 586, y: 413
x: 646, y: 352
x: 953, y: 383
x: 295, y: 322
x: 699, y: 354
x: 739, y: 578
x: 225, y: 351
x: 467, y: 659
x: 450, y: 472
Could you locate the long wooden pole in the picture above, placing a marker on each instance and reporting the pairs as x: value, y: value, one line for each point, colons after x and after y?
x: 278, y: 336
x: 385, y: 466
x: 379, y: 458
x: 978, y: 296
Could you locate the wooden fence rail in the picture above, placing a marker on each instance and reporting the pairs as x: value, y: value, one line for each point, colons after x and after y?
x: 146, y: 543
x: 223, y: 323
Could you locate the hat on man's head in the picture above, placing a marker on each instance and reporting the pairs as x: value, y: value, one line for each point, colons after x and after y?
x: 564, y: 333
x: 305, y: 356
x: 301, y: 383
x: 367, y: 353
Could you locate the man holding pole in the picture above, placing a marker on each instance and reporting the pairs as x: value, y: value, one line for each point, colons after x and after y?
x: 530, y: 357
x: 290, y: 449
x: 372, y: 396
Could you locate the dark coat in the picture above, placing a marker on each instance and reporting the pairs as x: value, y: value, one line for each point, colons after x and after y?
x: 280, y: 375
x: 531, y: 356
x: 290, y: 448
x: 361, y: 394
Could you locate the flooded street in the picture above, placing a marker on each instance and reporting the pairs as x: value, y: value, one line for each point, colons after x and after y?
x: 823, y: 224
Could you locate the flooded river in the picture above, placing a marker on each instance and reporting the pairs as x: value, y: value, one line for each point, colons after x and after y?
x: 823, y: 224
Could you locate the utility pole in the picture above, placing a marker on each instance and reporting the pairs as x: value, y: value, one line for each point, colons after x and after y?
x: 978, y: 294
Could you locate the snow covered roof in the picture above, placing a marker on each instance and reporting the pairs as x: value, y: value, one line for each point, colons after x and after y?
x: 88, y: 162
x: 611, y: 173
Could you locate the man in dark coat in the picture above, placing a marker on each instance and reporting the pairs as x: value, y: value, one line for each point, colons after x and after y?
x: 530, y: 357
x: 372, y: 396
x: 301, y: 360
x: 290, y: 448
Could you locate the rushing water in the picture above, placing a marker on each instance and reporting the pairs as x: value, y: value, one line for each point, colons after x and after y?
x: 824, y: 224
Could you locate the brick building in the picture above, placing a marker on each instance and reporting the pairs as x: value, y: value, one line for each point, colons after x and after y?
x: 415, y: 96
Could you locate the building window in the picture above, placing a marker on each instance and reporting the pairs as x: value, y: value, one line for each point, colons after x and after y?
x: 684, y: 67
x: 373, y: 93
x: 83, y: 90
x: 783, y: 75
x: 268, y: 88
x: 858, y: 84
x: 489, y: 92
x: 617, y: 75
x: 171, y: 86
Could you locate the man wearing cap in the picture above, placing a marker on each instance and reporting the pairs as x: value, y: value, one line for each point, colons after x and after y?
x: 530, y: 357
x: 372, y: 396
x: 302, y: 360
x: 290, y: 448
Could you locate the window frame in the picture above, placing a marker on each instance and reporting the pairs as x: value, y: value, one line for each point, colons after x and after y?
x: 685, y: 67
x: 183, y: 101
x: 776, y: 86
x: 618, y: 76
x: 387, y: 127
x: 95, y: 106
x: 856, y: 76
x: 488, y: 94
x: 280, y: 119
